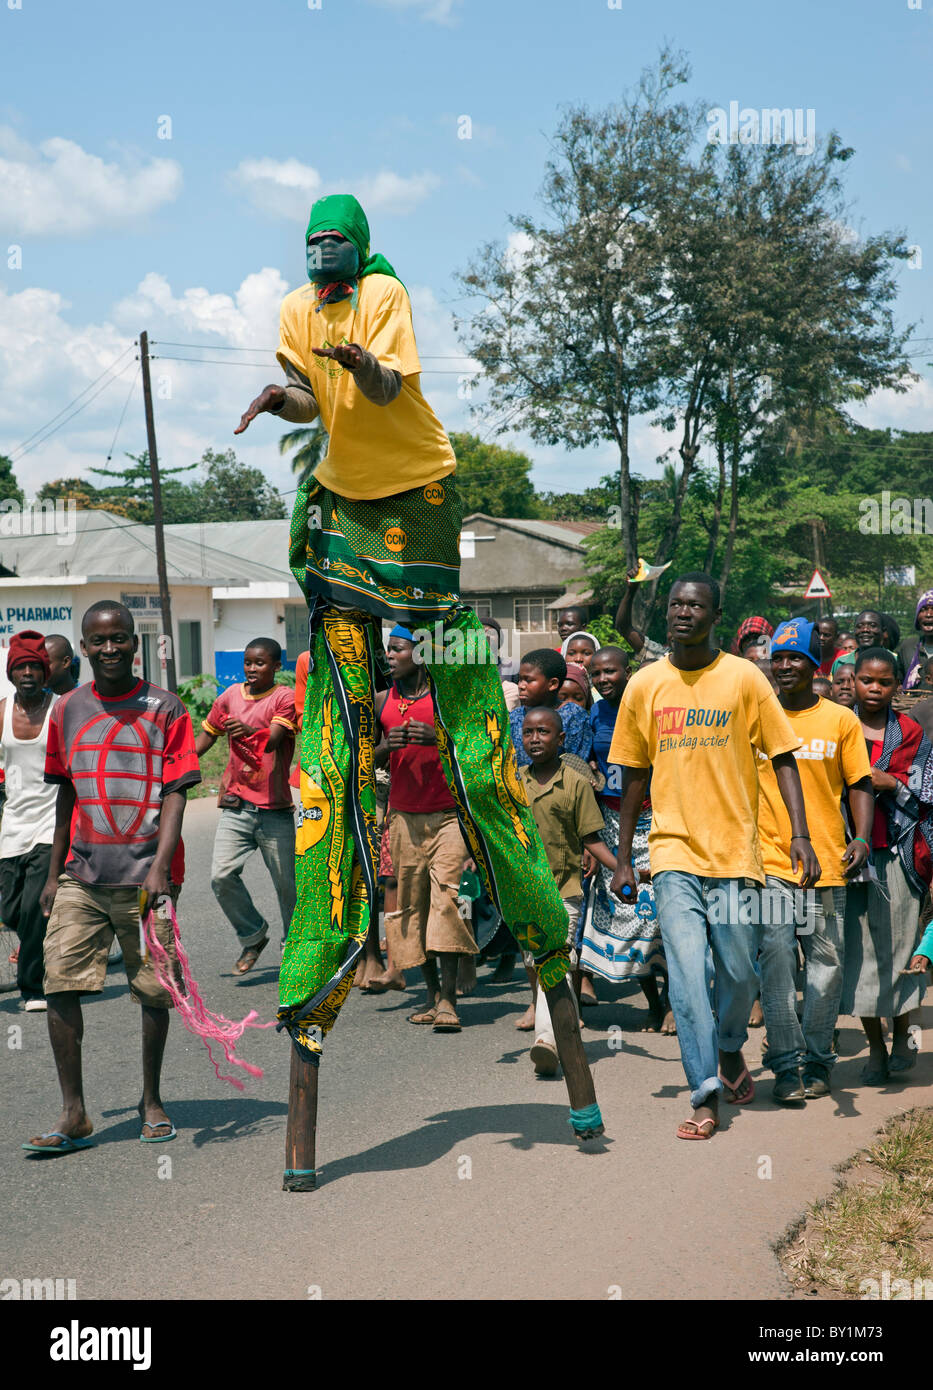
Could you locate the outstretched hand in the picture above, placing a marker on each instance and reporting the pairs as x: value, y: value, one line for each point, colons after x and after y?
x: 269, y: 398
x: 347, y: 354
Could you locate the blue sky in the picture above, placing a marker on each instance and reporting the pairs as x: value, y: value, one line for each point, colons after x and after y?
x: 197, y: 237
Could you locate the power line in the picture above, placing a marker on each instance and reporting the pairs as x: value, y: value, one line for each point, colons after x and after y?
x: 219, y: 362
x: 22, y: 448
x: 122, y: 415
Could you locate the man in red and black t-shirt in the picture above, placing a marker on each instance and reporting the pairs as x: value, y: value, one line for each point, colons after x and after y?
x: 122, y: 753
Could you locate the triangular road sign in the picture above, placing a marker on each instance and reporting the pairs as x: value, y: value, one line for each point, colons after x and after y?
x: 817, y: 588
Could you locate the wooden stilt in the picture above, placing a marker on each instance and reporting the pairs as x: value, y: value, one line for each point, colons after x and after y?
x: 302, y: 1125
x: 566, y: 1025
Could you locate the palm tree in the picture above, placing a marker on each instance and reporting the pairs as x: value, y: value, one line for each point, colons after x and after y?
x: 310, y: 444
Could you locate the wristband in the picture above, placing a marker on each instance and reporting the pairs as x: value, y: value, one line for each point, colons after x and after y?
x: 861, y: 840
x: 800, y: 837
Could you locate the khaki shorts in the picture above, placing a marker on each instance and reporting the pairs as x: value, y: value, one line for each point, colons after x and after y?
x: 84, y: 920
x: 428, y: 853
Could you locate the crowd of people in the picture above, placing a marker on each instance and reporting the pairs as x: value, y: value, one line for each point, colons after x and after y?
x: 746, y: 834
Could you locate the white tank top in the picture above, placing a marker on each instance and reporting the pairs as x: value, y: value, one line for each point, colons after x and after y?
x: 29, y: 809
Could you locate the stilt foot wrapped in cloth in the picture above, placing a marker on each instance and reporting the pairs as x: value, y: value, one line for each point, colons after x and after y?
x: 300, y: 1136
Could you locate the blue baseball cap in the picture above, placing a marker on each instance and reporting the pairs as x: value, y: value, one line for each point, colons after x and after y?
x: 403, y: 632
x: 794, y: 636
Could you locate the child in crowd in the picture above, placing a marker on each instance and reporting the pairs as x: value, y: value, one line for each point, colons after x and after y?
x: 832, y: 762
x: 843, y: 680
x: 580, y: 647
x: 883, y: 917
x: 847, y: 644
x: 426, y: 846
x: 823, y: 687
x: 621, y: 940
x: 568, y: 819
x: 922, y: 710
x: 576, y: 687
x: 540, y: 677
x: 258, y: 719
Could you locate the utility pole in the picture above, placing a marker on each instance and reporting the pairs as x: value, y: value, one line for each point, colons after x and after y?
x: 166, y: 646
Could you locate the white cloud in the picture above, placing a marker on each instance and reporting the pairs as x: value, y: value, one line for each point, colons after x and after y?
x: 246, y: 319
x: 281, y: 187
x: 59, y: 188
x: 287, y: 188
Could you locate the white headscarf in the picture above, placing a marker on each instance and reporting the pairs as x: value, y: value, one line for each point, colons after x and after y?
x: 574, y: 635
x: 596, y: 643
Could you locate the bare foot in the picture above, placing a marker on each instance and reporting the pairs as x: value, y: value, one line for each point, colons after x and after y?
x: 756, y: 1018
x: 527, y: 1021
x: 655, y: 1017
x: 367, y: 967
x: 74, y: 1123
x: 504, y: 970
x: 388, y: 979
x: 466, y: 975
x: 668, y: 1026
x: 731, y: 1067
x: 587, y: 993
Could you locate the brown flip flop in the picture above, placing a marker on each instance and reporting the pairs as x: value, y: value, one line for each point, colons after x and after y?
x: 249, y: 957
x: 446, y: 1021
x: 424, y: 1015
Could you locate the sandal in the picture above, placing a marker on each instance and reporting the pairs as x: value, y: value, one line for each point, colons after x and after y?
x: 424, y: 1015
x: 446, y: 1021
x: 249, y: 957
x: 697, y: 1129
x: 735, y: 1086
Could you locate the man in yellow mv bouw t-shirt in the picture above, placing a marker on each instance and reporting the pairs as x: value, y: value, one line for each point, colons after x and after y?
x: 832, y: 761
x: 695, y: 719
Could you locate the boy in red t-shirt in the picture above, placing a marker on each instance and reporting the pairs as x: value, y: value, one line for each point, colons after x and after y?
x: 121, y: 752
x: 258, y: 718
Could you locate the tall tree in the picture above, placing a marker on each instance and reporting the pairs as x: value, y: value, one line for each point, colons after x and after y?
x: 493, y: 480
x: 10, y: 489
x: 575, y: 312
x: 231, y: 491
x: 131, y: 494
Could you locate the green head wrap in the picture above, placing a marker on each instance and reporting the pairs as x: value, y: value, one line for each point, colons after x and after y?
x: 341, y: 212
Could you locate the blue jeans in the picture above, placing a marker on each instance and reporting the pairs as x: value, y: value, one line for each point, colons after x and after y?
x: 239, y: 834
x: 687, y: 912
x: 791, y: 1044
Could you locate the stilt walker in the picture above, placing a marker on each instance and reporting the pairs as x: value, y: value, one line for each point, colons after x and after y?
x: 375, y: 538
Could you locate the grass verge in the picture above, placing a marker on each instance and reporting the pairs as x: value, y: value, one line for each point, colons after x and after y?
x: 212, y: 767
x: 878, y: 1221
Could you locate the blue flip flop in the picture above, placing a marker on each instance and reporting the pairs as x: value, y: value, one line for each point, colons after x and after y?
x: 69, y: 1145
x: 157, y: 1138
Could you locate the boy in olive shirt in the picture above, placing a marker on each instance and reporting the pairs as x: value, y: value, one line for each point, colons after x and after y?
x: 568, y: 820
x: 831, y: 760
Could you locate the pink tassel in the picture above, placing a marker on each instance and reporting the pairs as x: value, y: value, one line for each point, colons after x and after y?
x: 190, y: 1007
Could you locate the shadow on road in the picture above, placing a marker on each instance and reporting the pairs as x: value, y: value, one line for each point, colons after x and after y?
x: 207, y: 1121
x: 524, y: 1126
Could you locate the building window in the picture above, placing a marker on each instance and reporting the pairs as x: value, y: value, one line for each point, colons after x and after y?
x: 482, y: 607
x: 296, y: 630
x: 530, y: 615
x: 189, y: 650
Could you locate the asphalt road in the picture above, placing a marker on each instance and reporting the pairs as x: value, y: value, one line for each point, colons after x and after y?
x: 448, y: 1169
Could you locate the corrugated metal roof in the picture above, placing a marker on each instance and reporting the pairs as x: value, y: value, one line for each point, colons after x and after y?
x: 107, y: 546
x: 567, y: 532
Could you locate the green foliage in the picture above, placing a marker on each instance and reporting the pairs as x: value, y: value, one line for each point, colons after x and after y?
x: 226, y: 490
x: 284, y: 677
x: 493, y: 480
x: 10, y: 490
x: 310, y: 443
x: 601, y: 628
x: 197, y: 695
